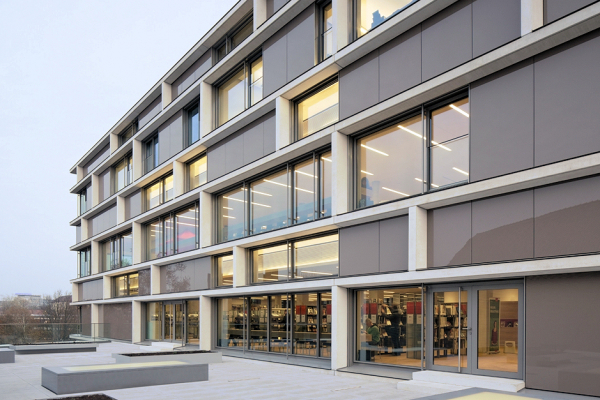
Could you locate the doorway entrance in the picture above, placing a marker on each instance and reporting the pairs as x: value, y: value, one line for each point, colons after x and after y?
x: 476, y: 329
x: 173, y: 326
x: 173, y: 321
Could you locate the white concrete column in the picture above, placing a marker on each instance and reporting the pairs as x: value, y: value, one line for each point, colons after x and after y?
x: 260, y: 13
x: 417, y: 238
x: 138, y: 242
x: 74, y: 292
x: 340, y: 334
x: 240, y: 269
x: 84, y: 229
x: 106, y: 287
x: 114, y: 142
x: 206, y: 219
x: 283, y: 122
x: 136, y: 321
x: 95, y: 190
x: 178, y: 178
x: 96, y: 257
x: 79, y: 173
x: 154, y: 279
x: 532, y: 15
x: 341, y: 10
x: 167, y: 95
x: 120, y: 209
x: 206, y: 109
x: 138, y: 159
x: 96, y: 330
x: 205, y: 322
x: 340, y: 171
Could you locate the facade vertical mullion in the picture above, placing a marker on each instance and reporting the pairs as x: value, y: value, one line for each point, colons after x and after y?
x: 319, y: 325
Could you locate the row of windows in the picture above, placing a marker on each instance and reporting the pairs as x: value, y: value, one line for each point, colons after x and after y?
x: 126, y: 285
x: 173, y: 233
x: 118, y: 252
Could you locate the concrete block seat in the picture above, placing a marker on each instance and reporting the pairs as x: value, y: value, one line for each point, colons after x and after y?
x: 7, y: 356
x: 195, y: 356
x: 92, y: 378
x: 55, y: 348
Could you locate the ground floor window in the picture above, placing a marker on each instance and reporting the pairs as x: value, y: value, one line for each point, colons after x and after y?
x: 173, y: 321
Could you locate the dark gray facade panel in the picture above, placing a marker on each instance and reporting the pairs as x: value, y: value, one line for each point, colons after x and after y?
x: 170, y: 137
x: 96, y: 160
x: 253, y: 142
x: 133, y: 205
x: 301, y: 44
x: 273, y: 6
x: 567, y: 100
x: 77, y: 233
x: 269, y: 139
x: 503, y: 228
x: 449, y: 236
x: 495, y: 23
x: 117, y: 320
x: 86, y: 314
x: 567, y: 218
x: 103, y: 221
x: 400, y: 64
x: 150, y: 112
x: 192, y: 74
x: 359, y: 249
x: 105, y: 184
x: 447, y: 39
x: 234, y: 152
x: 216, y: 159
x: 502, y: 122
x: 185, y: 276
x: 274, y: 56
x: 144, y: 282
x: 92, y: 290
x: 566, y: 358
x: 88, y: 198
x: 393, y: 244
x: 203, y: 273
x: 359, y: 85
x: 555, y: 9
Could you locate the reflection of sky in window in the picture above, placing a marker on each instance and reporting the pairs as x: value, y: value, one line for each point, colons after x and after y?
x: 374, y: 12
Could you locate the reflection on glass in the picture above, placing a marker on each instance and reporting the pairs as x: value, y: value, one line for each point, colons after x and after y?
x: 231, y: 322
x: 127, y: 250
x: 258, y: 315
x: 133, y: 283
x: 327, y: 36
x: 270, y: 264
x: 232, y: 97
x: 449, y: 321
x: 230, y: 215
x: 193, y: 326
x: 154, y: 238
x: 193, y: 125
x: 371, y: 13
x: 153, y: 195
x: 256, y: 81
x: 449, y: 147
x: 280, y: 314
x: 389, y: 164
x: 168, y: 187
x: 498, y: 330
x: 120, y: 283
x: 269, y: 203
x: 305, y: 185
x: 326, y: 317
x: 169, y: 248
x: 197, y: 173
x: 389, y: 326
x: 83, y: 201
x: 107, y: 256
x: 121, y: 175
x: 225, y: 270
x: 187, y: 228
x: 242, y: 34
x: 151, y: 159
x: 153, y: 320
x: 85, y: 267
x: 316, y: 258
x: 318, y: 111
x: 326, y: 184
x: 305, y: 324
x: 127, y: 134
x: 221, y: 52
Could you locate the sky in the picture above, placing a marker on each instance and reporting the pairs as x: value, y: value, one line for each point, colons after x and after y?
x: 69, y: 70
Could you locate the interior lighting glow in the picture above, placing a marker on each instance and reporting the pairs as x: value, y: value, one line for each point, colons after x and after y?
x: 411, y: 132
x: 440, y: 145
x: 365, y: 172
x: 228, y: 216
x: 459, y: 110
x: 375, y: 150
x: 461, y: 171
x: 264, y: 194
x: 276, y: 183
x: 394, y: 191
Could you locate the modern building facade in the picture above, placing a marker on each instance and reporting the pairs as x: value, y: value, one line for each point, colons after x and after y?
x: 361, y: 185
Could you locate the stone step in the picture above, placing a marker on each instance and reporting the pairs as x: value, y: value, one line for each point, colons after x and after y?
x: 483, y: 382
x: 428, y: 388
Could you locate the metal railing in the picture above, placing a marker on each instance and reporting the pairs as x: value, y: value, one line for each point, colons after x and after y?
x: 52, y: 333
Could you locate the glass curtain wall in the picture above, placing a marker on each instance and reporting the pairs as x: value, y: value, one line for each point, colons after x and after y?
x: 126, y: 285
x: 197, y: 173
x: 193, y: 321
x: 154, y: 321
x: 270, y: 264
x: 304, y: 336
x: 224, y: 268
x: 269, y: 203
x: 317, y: 111
x: 371, y: 13
x: 279, y: 320
x: 258, y: 315
x: 186, y: 230
x: 118, y: 252
x: 151, y: 156
x: 153, y: 195
x: 85, y: 263
x: 173, y: 233
x: 231, y: 320
x: 326, y: 31
x: 325, y: 185
x: 234, y: 38
x: 230, y: 214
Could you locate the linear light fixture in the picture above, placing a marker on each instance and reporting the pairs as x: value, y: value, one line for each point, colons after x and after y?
x: 459, y: 110
x: 276, y: 183
x: 315, y: 272
x: 264, y: 194
x: 234, y: 199
x: 375, y: 150
x: 306, y: 173
x: 461, y: 171
x: 304, y: 190
x: 228, y: 208
x: 411, y: 132
x: 365, y: 172
x: 440, y: 145
x: 183, y: 223
x: 326, y: 159
x: 434, y: 185
x: 420, y: 180
x: 363, y: 30
x: 260, y: 205
x: 228, y: 216
x: 394, y: 191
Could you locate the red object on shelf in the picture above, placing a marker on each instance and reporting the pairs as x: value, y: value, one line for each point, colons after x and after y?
x: 373, y: 308
x: 463, y: 308
x: 328, y: 309
x: 302, y: 310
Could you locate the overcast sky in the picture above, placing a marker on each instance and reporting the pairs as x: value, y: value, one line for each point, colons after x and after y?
x: 68, y: 71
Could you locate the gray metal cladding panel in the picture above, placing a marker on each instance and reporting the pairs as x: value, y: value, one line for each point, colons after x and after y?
x: 203, y: 273
x: 88, y: 199
x: 359, y: 85
x: 400, y: 64
x: 449, y: 236
x: 447, y: 39
x: 150, y: 112
x: 253, y: 142
x: 133, y: 205
x: 393, y: 244
x: 502, y: 122
x: 555, y: 9
x: 359, y: 249
x: 92, y: 290
x: 562, y: 333
x: 77, y: 233
x: 118, y: 318
x: 216, y: 160
x: 301, y: 44
x: 274, y: 56
x: 567, y: 218
x: 105, y: 220
x: 567, y: 100
x: 86, y: 314
x: 234, y: 153
x: 274, y: 5
x: 192, y: 74
x: 269, y: 133
x: 144, y: 282
x: 503, y: 228
x: 178, y: 277
x: 170, y: 137
x: 96, y: 160
x: 105, y: 184
x: 494, y: 24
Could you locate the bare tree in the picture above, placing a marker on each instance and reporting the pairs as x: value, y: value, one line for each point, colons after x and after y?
x: 61, y: 315
x: 15, y: 317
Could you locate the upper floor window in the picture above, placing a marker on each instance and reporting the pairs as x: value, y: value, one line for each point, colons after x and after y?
x: 126, y: 285
x: 173, y: 233
x: 224, y: 270
x: 234, y: 38
x: 325, y: 31
x: 298, y: 192
x: 127, y: 133
x: 240, y: 90
x: 159, y: 192
x: 317, y: 110
x: 193, y: 124
x: 371, y: 13
x: 84, y: 261
x: 123, y: 173
x: 118, y: 252
x: 151, y: 153
x: 82, y: 203
x: 197, y: 174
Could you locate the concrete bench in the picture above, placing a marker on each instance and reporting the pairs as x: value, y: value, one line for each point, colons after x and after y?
x: 7, y: 356
x: 92, y: 378
x: 54, y: 348
x: 192, y: 357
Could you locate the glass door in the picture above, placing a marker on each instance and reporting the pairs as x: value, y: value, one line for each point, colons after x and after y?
x: 173, y: 326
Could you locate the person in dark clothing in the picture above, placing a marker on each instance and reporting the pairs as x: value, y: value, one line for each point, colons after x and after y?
x: 394, y: 329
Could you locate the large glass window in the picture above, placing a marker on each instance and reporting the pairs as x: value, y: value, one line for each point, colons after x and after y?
x: 127, y: 133
x: 159, y: 192
x: 197, y: 174
x: 126, y: 285
x: 123, y: 173
x: 258, y: 314
x: 270, y: 264
x: 388, y: 326
x: 82, y: 201
x: 151, y: 153
x: 256, y: 81
x: 371, y: 13
x: 224, y: 270
x: 173, y: 233
x: 154, y: 240
x: 305, y: 324
x: 326, y: 31
x: 118, y: 252
x: 231, y: 321
x: 154, y: 320
x: 326, y: 184
x: 279, y: 321
x: 85, y: 263
x: 389, y: 163
x: 193, y: 125
x: 230, y: 215
x: 234, y: 38
x: 318, y: 110
x: 241, y: 90
x: 449, y: 144
x: 186, y: 230
x: 269, y: 203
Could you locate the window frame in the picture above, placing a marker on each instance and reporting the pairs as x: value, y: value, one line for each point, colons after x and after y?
x: 187, y: 110
x: 127, y: 276
x: 215, y: 268
x: 188, y: 175
x: 115, y: 240
x: 82, y: 194
x: 306, y: 95
x: 134, y: 127
x: 226, y: 40
x: 321, y: 30
x: 88, y: 256
x: 161, y: 199
x: 152, y: 140
x: 355, y: 26
x: 128, y: 159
